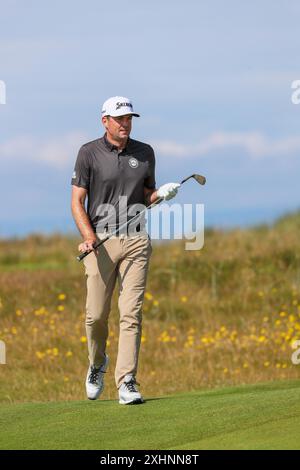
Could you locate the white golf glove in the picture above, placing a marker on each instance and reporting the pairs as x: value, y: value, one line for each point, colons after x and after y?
x: 167, y: 191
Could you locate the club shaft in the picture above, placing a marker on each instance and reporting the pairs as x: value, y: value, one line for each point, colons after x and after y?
x: 115, y: 232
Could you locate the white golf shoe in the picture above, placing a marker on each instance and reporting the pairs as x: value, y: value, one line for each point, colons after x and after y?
x: 128, y: 392
x: 95, y: 380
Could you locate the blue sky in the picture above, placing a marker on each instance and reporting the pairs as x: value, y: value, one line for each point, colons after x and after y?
x: 211, y: 79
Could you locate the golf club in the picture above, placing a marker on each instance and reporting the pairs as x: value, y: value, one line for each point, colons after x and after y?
x: 199, y: 178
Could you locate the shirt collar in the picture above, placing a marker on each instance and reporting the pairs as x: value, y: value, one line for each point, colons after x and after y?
x: 112, y: 147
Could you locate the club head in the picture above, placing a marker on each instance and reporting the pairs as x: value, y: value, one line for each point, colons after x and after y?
x: 200, y: 179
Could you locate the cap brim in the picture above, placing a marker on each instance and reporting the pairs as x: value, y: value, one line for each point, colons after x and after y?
x: 122, y: 114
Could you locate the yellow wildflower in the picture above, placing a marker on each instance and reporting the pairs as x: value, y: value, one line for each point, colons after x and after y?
x: 40, y: 311
x: 148, y: 296
x: 40, y: 355
x: 261, y: 339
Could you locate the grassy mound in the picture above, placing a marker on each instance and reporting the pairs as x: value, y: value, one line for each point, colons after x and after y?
x: 249, y: 417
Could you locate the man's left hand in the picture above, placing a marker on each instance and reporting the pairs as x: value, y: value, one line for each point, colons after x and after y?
x: 168, y: 191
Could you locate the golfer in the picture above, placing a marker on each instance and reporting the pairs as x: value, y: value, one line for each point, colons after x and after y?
x: 115, y: 173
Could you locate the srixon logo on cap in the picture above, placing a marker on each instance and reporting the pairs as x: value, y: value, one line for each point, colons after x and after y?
x: 119, y: 105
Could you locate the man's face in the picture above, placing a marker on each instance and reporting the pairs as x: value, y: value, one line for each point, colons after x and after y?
x: 118, y: 128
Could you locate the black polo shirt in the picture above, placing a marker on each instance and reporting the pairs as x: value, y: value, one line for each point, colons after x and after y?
x: 108, y: 174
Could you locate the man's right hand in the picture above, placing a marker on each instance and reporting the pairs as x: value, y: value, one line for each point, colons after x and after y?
x: 87, y: 245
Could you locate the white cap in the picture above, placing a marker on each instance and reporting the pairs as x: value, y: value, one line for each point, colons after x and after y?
x: 118, y: 106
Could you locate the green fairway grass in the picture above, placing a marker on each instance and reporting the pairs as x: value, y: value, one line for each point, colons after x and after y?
x: 247, y: 417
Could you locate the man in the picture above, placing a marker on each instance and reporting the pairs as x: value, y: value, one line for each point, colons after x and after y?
x: 107, y: 171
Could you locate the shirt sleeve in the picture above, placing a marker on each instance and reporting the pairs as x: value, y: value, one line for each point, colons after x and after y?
x: 81, y: 173
x: 149, y: 182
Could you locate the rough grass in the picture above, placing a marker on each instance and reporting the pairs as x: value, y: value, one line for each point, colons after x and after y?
x: 249, y: 417
x: 225, y: 315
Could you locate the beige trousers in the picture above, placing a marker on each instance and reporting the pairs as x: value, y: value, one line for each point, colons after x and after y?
x: 125, y: 258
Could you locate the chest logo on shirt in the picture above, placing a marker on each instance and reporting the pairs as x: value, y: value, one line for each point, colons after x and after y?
x: 133, y: 162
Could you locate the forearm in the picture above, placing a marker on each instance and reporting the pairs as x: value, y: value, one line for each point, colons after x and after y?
x: 82, y: 221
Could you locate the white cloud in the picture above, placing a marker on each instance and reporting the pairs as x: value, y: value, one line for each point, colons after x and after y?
x: 58, y: 151
x: 255, y: 144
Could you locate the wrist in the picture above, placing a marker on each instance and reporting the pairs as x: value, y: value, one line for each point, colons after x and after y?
x: 89, y: 236
x: 154, y: 196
